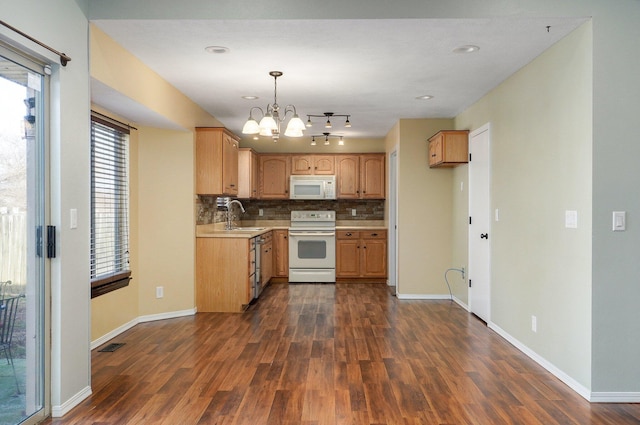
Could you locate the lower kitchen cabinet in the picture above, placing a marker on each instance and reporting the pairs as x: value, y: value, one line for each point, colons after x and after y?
x: 281, y: 253
x: 224, y: 274
x: 361, y: 254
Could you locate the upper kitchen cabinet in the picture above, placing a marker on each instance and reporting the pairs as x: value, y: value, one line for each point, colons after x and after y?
x: 247, y: 173
x: 274, y: 173
x: 313, y: 165
x: 361, y: 176
x: 216, y: 162
x: 449, y: 148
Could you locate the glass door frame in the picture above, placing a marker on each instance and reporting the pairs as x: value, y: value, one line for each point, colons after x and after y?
x: 42, y: 272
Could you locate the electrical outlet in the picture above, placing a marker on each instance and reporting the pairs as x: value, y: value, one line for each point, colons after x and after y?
x: 353, y: 212
x: 159, y: 291
x: 462, y: 268
x: 534, y: 323
x: 260, y: 212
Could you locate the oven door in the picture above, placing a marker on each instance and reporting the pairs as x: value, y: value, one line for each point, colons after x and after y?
x: 312, y: 249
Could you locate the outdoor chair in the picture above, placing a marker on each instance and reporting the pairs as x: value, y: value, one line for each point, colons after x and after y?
x: 8, y: 312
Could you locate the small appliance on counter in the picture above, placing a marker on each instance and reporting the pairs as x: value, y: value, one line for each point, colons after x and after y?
x: 312, y: 187
x: 312, y: 246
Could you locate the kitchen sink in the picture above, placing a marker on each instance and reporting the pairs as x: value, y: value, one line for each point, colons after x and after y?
x: 248, y: 229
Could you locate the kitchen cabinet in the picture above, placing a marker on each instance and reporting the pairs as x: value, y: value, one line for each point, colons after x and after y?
x: 360, y: 176
x: 274, y: 176
x: 224, y: 274
x: 361, y: 254
x: 216, y: 162
x: 281, y: 253
x: 449, y: 148
x: 266, y: 258
x: 313, y: 165
x: 247, y: 173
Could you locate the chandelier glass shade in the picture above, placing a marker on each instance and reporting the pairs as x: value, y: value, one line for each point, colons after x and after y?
x: 271, y: 119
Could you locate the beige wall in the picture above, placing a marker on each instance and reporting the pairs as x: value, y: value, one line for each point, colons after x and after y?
x: 424, y: 212
x: 166, y: 225
x: 541, y: 158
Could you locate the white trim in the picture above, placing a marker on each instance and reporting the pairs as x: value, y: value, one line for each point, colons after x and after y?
x: 572, y: 383
x: 615, y: 397
x: 141, y: 319
x: 461, y: 303
x: 59, y: 411
x: 422, y: 297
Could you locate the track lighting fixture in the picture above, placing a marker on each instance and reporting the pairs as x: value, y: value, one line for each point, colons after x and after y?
x: 327, y: 136
x: 328, y: 116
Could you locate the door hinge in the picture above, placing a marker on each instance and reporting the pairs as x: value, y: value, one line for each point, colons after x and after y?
x: 469, y: 219
x: 469, y: 283
x: 469, y: 157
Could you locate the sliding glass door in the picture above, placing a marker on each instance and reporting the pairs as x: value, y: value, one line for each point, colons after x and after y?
x: 23, y: 170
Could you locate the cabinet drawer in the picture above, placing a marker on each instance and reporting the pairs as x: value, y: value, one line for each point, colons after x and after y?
x: 374, y: 234
x: 347, y: 234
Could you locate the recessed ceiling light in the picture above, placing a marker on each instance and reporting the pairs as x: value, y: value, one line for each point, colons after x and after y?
x: 424, y: 97
x: 469, y: 48
x: 217, y: 49
x: 250, y: 97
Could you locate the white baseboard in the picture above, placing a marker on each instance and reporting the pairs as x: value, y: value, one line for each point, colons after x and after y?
x: 572, y: 383
x: 422, y: 296
x: 615, y: 397
x: 460, y: 303
x: 168, y: 315
x: 141, y: 319
x: 64, y: 408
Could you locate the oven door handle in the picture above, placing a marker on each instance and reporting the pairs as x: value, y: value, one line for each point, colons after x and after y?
x: 321, y: 234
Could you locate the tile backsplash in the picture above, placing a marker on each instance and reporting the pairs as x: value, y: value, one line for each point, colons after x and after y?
x: 207, y: 212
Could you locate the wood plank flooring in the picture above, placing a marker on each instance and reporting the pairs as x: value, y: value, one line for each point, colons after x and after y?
x: 314, y: 354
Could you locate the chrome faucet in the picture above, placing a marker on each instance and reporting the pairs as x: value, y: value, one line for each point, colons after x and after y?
x: 229, y: 203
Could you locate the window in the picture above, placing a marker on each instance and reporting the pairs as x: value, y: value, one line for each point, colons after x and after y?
x: 109, y: 206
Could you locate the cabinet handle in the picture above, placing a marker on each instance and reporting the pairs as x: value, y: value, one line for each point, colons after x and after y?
x: 348, y: 234
x: 374, y: 234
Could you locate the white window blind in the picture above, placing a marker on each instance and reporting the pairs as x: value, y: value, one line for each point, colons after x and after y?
x: 109, y: 206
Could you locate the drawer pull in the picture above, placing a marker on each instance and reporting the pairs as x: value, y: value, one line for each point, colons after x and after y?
x: 374, y: 234
x: 349, y: 234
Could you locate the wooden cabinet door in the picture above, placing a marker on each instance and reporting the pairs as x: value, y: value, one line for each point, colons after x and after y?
x: 324, y: 165
x: 347, y: 253
x: 274, y: 177
x: 435, y: 150
x: 208, y: 161
x: 247, y: 174
x: 281, y: 253
x: 372, y: 172
x: 301, y: 165
x: 374, y: 258
x: 348, y: 175
x: 229, y: 165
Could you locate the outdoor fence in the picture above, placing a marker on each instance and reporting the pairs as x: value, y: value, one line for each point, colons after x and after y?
x: 13, y: 248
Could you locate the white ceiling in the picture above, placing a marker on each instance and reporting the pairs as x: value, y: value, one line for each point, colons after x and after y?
x: 372, y: 69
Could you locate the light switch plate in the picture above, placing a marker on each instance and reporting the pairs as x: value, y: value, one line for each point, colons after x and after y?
x: 619, y: 221
x: 571, y: 219
x: 73, y: 218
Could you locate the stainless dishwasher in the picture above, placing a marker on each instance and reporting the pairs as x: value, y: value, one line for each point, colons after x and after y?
x: 254, y: 273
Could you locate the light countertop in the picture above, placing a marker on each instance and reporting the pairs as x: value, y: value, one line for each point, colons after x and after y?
x: 217, y: 230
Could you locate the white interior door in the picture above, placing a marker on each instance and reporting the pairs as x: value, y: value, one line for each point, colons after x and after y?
x: 479, y: 223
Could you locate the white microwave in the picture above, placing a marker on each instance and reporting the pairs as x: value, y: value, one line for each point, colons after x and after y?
x: 312, y: 187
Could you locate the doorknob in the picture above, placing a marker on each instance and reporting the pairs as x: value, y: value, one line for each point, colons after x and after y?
x: 484, y: 236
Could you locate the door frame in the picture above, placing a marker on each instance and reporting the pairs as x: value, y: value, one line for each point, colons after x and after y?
x: 393, y: 219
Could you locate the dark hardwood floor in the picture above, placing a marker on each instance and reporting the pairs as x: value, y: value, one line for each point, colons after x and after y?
x: 329, y: 354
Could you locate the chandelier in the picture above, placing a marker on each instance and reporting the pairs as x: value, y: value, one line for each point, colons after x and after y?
x: 327, y: 136
x: 271, y: 119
